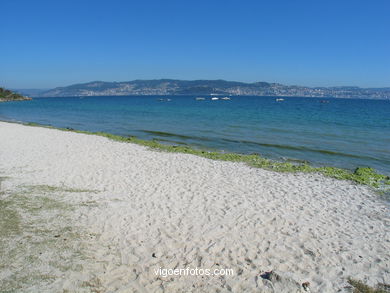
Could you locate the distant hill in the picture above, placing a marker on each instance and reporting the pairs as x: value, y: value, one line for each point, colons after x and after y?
x: 209, y: 87
x: 7, y: 95
x: 30, y: 92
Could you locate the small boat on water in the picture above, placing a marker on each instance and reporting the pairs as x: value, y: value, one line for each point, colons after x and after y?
x: 214, y: 98
x: 226, y: 98
x: 200, y: 99
x: 279, y: 100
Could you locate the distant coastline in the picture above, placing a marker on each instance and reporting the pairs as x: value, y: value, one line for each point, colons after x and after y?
x: 206, y: 87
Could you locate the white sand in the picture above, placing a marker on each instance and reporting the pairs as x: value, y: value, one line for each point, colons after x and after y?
x: 194, y: 212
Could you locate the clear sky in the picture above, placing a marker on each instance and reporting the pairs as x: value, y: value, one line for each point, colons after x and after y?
x: 53, y: 43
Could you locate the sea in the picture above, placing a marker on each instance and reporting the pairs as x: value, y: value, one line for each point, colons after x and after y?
x: 345, y: 133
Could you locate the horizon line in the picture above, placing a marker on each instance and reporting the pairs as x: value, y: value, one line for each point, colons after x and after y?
x: 218, y: 79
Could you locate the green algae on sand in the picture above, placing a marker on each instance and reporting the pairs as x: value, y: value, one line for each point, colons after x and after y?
x: 361, y: 175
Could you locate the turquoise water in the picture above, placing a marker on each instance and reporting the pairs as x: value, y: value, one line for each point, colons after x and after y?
x: 344, y: 132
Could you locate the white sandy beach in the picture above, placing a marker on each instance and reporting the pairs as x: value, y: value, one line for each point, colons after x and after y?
x: 156, y: 209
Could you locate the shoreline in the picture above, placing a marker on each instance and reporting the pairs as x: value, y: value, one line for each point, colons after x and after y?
x: 361, y: 175
x: 131, y: 210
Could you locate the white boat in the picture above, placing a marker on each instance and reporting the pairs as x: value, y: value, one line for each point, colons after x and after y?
x: 279, y: 100
x: 226, y: 98
x: 200, y: 99
x: 214, y: 98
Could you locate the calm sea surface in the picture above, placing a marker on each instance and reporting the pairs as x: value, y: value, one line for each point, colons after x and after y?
x: 344, y: 133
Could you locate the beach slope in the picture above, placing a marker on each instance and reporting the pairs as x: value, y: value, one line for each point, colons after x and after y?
x: 138, y: 211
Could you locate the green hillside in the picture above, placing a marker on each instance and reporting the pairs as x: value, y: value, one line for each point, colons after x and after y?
x: 7, y: 95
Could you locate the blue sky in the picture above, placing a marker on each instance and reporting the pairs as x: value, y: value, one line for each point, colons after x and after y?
x: 46, y: 44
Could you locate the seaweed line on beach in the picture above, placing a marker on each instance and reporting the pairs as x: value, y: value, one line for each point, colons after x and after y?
x: 361, y: 175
